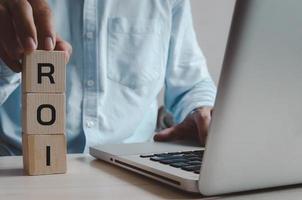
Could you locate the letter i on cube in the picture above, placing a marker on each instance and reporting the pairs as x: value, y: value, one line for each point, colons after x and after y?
x: 43, y: 113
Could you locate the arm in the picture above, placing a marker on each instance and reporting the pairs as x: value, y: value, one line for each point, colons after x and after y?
x: 188, y: 83
x: 25, y: 25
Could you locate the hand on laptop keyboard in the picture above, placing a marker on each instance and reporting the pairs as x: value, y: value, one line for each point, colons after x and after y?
x: 195, y: 126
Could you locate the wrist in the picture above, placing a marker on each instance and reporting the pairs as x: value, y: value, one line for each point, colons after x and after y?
x: 199, y: 109
x: 195, y: 110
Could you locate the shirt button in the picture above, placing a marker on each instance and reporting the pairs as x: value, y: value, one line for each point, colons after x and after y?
x: 89, y: 35
x: 90, y: 83
x: 89, y: 124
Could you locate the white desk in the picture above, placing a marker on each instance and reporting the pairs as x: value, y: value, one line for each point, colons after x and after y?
x: 88, y: 178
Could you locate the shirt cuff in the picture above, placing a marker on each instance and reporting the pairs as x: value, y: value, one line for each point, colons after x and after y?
x: 187, y: 109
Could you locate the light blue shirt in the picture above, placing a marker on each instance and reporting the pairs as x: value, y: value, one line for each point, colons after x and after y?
x: 124, y: 53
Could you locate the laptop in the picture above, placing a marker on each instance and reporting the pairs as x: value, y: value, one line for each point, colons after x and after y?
x: 255, y: 138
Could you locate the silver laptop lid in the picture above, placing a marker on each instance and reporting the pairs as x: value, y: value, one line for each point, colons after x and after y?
x: 255, y: 139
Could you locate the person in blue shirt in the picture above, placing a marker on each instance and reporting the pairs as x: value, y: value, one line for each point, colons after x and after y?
x: 121, y: 54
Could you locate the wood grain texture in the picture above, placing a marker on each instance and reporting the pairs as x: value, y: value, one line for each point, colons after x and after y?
x: 43, y: 112
x: 91, y: 179
x: 30, y: 78
x: 44, y: 154
x: 88, y: 179
x: 31, y: 107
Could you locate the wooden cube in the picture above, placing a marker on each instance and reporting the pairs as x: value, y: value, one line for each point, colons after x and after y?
x: 43, y: 113
x: 44, y: 154
x: 44, y: 72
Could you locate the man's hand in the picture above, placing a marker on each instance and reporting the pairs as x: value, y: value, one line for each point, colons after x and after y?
x: 195, y: 126
x: 26, y: 25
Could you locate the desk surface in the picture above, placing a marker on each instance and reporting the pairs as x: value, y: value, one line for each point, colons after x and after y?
x: 88, y: 178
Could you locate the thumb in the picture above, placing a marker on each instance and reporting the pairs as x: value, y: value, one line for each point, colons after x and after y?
x: 165, y: 134
x: 174, y: 132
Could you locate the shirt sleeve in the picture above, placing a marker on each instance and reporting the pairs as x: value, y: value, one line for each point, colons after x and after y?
x: 9, y: 81
x: 188, y: 84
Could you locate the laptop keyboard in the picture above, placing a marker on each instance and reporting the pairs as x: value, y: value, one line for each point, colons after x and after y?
x: 185, y: 160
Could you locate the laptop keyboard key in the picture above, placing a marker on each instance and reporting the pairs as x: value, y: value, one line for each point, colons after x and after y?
x: 187, y: 152
x: 194, y: 158
x: 186, y: 160
x: 198, y: 153
x: 173, y: 161
x: 179, y: 164
x: 161, y: 154
x: 146, y: 156
x: 179, y: 156
x: 175, y: 153
x: 195, y: 162
x: 191, y: 156
x: 197, y: 171
x: 191, y: 167
x: 155, y: 158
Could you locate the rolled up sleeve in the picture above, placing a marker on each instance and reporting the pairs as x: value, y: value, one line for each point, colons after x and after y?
x: 188, y: 84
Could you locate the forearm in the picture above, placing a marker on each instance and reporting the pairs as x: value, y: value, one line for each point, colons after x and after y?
x: 188, y: 82
x: 201, y: 94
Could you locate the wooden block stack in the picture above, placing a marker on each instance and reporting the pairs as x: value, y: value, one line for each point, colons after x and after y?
x: 43, y: 113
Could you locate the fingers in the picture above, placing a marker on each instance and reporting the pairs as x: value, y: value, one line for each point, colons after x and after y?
x: 44, y: 24
x: 21, y: 12
x: 179, y: 131
x: 62, y: 45
x: 16, y: 66
x: 195, y: 126
x: 8, y: 38
x: 165, y: 135
x: 202, y: 120
x: 28, y: 26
